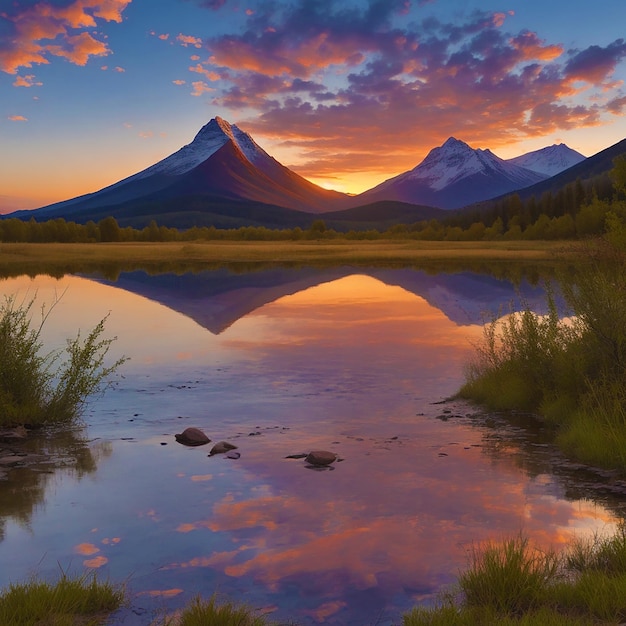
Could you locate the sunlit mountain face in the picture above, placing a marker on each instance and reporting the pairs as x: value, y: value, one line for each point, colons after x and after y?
x: 224, y: 178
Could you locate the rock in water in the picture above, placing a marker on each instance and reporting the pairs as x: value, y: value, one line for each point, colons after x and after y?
x: 320, y: 458
x: 221, y: 447
x: 192, y: 437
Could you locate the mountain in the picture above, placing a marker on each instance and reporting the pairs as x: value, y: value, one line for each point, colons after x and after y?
x: 222, y: 163
x: 550, y: 161
x: 452, y: 176
x: 597, y: 165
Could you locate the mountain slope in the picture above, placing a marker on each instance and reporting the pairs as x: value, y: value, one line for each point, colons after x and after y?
x: 550, y: 161
x: 222, y: 162
x: 454, y: 175
x: 592, y: 166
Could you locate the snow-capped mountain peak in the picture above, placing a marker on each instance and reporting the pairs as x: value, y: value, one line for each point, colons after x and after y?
x: 209, y: 139
x: 455, y: 160
x: 550, y: 161
x: 454, y: 175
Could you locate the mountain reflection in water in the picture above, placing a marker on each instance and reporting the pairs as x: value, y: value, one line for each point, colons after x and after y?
x: 293, y: 361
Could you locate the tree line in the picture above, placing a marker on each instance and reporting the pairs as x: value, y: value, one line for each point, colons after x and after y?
x: 578, y: 210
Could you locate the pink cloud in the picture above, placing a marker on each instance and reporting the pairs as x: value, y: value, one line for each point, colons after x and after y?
x: 189, y: 40
x: 209, y: 74
x: 26, y: 81
x: 200, y: 87
x: 17, y: 118
x: 44, y: 30
x: 325, y: 79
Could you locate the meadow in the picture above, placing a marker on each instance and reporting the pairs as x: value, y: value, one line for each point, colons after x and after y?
x: 58, y: 258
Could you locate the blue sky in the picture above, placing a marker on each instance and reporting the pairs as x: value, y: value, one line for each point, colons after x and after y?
x: 345, y: 93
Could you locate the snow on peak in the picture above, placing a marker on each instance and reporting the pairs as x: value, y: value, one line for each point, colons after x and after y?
x: 451, y: 162
x: 455, y: 160
x: 209, y: 139
x: 550, y: 160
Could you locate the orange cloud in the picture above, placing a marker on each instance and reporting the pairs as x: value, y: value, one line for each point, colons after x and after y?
x: 189, y: 40
x: 200, y: 87
x: 26, y: 81
x: 210, y: 75
x: 79, y: 48
x: 43, y: 30
x: 18, y: 118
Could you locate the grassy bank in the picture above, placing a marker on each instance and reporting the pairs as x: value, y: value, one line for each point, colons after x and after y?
x: 514, y: 583
x: 83, y: 601
x: 571, y: 371
x: 58, y: 257
x: 506, y: 583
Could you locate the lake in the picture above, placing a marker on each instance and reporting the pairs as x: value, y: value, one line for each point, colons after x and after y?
x: 280, y: 362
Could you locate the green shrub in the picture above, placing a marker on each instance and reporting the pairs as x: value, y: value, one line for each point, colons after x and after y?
x: 522, y: 359
x: 37, y: 388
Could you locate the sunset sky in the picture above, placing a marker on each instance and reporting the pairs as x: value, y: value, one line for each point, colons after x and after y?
x: 347, y: 93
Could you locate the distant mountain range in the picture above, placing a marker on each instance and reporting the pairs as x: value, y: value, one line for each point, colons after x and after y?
x: 455, y: 175
x: 224, y: 178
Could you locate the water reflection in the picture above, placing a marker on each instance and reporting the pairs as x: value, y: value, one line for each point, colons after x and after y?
x: 39, y: 462
x: 343, y: 362
x: 219, y: 298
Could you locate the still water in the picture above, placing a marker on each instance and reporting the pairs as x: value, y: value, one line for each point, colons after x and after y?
x: 280, y: 362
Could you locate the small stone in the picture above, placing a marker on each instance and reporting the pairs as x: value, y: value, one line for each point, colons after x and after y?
x: 222, y: 447
x: 192, y: 437
x: 296, y: 456
x: 233, y: 455
x: 321, y: 457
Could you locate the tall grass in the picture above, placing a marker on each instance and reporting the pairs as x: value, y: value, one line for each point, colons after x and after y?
x: 515, y: 583
x: 39, y: 388
x: 68, y: 602
x: 201, y: 612
x: 571, y: 371
x: 509, y: 578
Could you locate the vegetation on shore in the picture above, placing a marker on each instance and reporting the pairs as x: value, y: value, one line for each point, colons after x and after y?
x: 83, y: 601
x: 38, y: 388
x: 510, y: 583
x: 112, y: 258
x: 514, y: 583
x: 570, y: 371
x: 576, y: 211
x: 201, y: 612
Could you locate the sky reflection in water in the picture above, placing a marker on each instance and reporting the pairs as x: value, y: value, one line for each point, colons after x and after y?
x: 352, y: 365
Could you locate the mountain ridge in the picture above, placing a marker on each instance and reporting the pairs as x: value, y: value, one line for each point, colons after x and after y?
x: 224, y: 178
